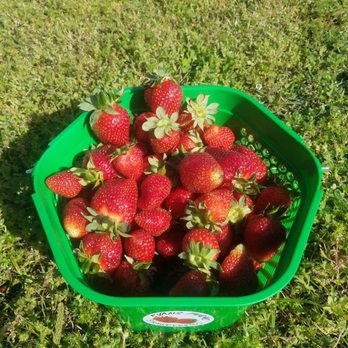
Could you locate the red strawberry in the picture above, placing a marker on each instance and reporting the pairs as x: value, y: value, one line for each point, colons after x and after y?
x: 200, y: 250
x: 97, y: 164
x: 140, y: 246
x: 248, y: 201
x: 185, y: 121
x: 238, y: 276
x: 143, y: 148
x: 216, y: 203
x: 117, y: 200
x: 138, y: 124
x: 257, y: 265
x: 100, y: 253
x: 217, y: 153
x: 73, y: 220
x: 274, y: 200
x: 200, y: 172
x: 177, y: 201
x: 192, y: 283
x: 155, y: 221
x: 109, y: 121
x: 263, y: 237
x: 190, y: 142
x: 169, y: 244
x: 162, y: 91
x: 65, y: 184
x: 163, y: 131
x: 128, y: 161
x: 201, y: 112
x: 243, y: 170
x: 154, y: 189
x: 130, y: 282
x: 214, y: 209
x: 255, y: 163
x: 167, y: 143
x: 225, y: 239
x: 219, y: 137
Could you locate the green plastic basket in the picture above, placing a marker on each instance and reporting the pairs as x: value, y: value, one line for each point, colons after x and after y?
x: 288, y: 160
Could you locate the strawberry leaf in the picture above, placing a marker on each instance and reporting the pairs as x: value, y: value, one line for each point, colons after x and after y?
x: 86, y: 106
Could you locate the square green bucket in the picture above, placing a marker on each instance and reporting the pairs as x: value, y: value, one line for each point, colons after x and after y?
x: 289, y: 161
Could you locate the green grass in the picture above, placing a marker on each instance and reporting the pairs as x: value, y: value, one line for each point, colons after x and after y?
x: 53, y: 53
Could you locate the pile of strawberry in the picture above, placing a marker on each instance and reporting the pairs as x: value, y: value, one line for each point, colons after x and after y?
x: 169, y: 202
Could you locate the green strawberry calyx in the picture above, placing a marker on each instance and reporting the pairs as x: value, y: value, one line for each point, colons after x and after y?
x: 248, y: 186
x: 199, y: 145
x: 137, y: 265
x: 202, y: 113
x: 89, y: 175
x: 238, y: 211
x: 200, y: 257
x: 100, y: 101
x: 157, y: 165
x: 162, y: 123
x: 198, y: 216
x: 275, y: 212
x: 104, y: 224
x: 123, y: 150
x: 157, y: 77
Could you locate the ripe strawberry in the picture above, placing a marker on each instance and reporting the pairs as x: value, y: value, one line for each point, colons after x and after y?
x: 73, y: 220
x: 238, y: 276
x: 257, y: 265
x: 162, y: 91
x: 255, y: 163
x: 192, y: 283
x: 140, y: 246
x: 217, y: 153
x: 200, y: 172
x: 155, y: 221
x: 177, y: 201
x: 243, y: 170
x: 128, y: 161
x: 100, y: 160
x: 225, y: 239
x: 185, y: 121
x: 100, y: 253
x: 215, y: 209
x: 201, y: 112
x: 141, y: 135
x: 273, y: 200
x: 154, y: 189
x: 129, y: 281
x: 190, y: 142
x: 219, y: 137
x: 64, y: 183
x: 248, y: 201
x: 163, y: 131
x: 109, y: 121
x: 216, y: 204
x: 263, y: 237
x: 96, y: 166
x: 116, y: 199
x: 200, y: 250
x: 169, y: 244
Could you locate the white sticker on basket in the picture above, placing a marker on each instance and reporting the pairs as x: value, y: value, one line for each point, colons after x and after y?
x: 178, y: 319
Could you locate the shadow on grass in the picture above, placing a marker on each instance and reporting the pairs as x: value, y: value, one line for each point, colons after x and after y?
x: 19, y: 213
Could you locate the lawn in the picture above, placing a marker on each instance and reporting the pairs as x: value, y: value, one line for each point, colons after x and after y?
x: 290, y: 55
